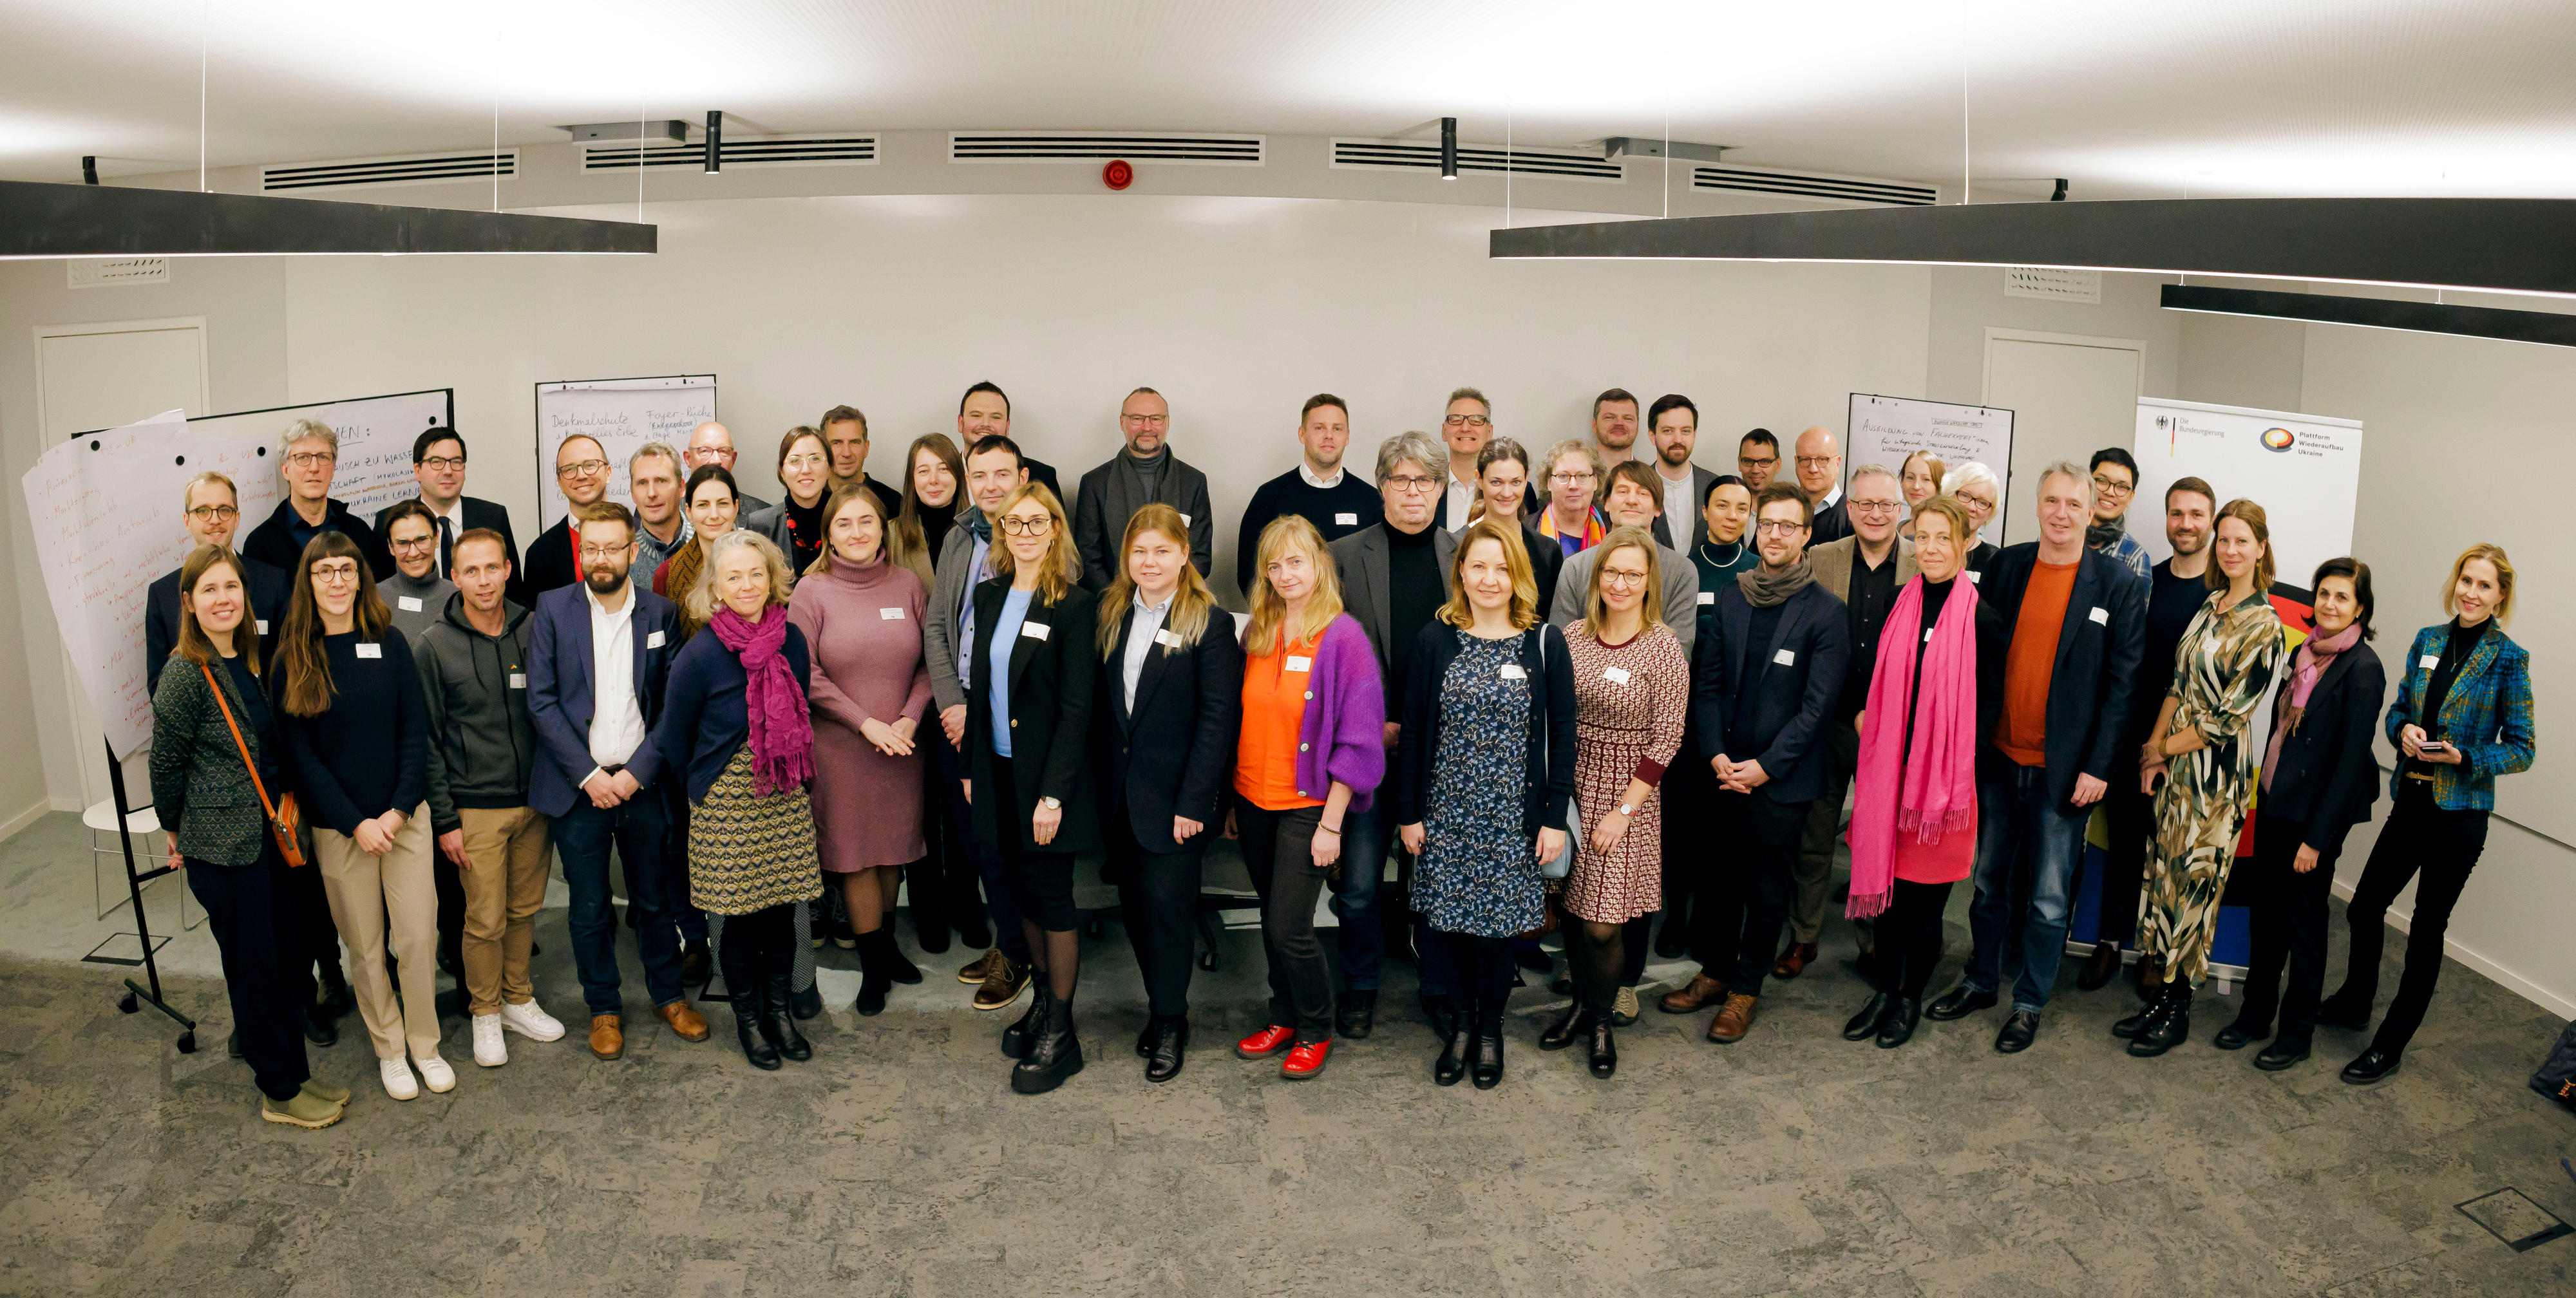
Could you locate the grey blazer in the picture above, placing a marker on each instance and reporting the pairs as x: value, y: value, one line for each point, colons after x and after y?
x: 200, y: 787
x: 1832, y: 563
x: 1700, y: 478
x: 948, y: 590
x: 1367, y: 595
x: 1681, y: 591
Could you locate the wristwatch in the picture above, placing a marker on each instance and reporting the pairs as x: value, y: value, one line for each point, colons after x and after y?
x: 1051, y: 804
x: 1626, y: 810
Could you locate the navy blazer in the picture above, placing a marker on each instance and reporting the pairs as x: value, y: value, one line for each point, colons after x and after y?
x: 559, y: 690
x: 1172, y: 754
x: 1797, y: 696
x: 269, y: 588
x: 1052, y: 678
x: 2097, y: 663
x: 2328, y: 777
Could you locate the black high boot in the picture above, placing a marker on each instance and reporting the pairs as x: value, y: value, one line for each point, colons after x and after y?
x: 743, y: 986
x: 1054, y: 1055
x: 782, y: 971
x: 1016, y: 1038
x: 874, y: 978
x: 1455, y: 1050
x: 2167, y: 1025
x: 1605, y: 1051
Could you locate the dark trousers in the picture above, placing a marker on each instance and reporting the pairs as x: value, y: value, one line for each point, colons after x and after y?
x: 1688, y: 786
x: 450, y: 888
x: 2129, y: 817
x: 2289, y: 915
x: 1909, y: 937
x: 692, y: 921
x: 1362, y: 936
x: 1040, y: 884
x: 941, y: 888
x: 1278, y: 851
x: 1158, y: 894
x: 2027, y: 847
x: 310, y: 906
x: 261, y: 931
x: 988, y: 865
x: 640, y: 829
x: 1740, y: 932
x: 2444, y: 846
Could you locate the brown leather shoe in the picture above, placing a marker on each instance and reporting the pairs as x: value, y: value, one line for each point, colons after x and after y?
x: 1003, y: 983
x: 607, y: 1036
x: 1733, y: 1021
x: 973, y: 975
x: 687, y: 1022
x: 2099, y: 968
x: 1697, y: 995
x: 1795, y: 960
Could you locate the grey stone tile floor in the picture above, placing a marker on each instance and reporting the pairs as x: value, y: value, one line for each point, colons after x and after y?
x: 898, y: 1161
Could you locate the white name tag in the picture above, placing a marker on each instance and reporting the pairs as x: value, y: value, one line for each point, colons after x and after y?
x: 2101, y: 616
x: 1513, y: 672
x: 1035, y: 630
x: 1976, y: 578
x: 653, y: 640
x: 518, y: 680
x: 889, y: 615
x: 1708, y: 597
x: 1168, y: 639
x: 1786, y: 657
x: 1299, y: 664
x: 262, y: 624
x: 1615, y: 675
x: 1185, y: 519
x: 371, y: 651
x: 1344, y: 520
x: 2429, y: 661
x: 1927, y: 636
x: 407, y: 603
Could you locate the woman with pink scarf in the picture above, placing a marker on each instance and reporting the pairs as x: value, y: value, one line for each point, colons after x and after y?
x: 1914, y: 806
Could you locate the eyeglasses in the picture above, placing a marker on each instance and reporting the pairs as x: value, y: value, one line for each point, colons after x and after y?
x: 604, y: 553
x: 312, y: 459
x: 804, y: 462
x: 214, y: 513
x: 2113, y: 486
x: 1150, y: 421
x: 1751, y: 462
x: 1873, y: 507
x: 335, y: 573
x: 1817, y: 461
x: 1622, y: 577
x: 416, y: 543
x: 1028, y: 524
x: 1466, y: 421
x: 442, y: 463
x: 1779, y: 526
x: 581, y: 469
x: 1412, y: 482
x: 1568, y: 479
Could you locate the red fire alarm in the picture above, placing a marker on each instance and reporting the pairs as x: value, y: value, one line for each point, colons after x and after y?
x: 1118, y: 175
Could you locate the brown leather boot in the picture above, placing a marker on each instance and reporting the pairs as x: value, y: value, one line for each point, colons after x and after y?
x: 1733, y: 1021
x: 687, y: 1022
x: 607, y: 1036
x: 1701, y: 990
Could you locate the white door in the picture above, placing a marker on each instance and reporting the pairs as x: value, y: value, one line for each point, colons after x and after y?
x: 2070, y: 396
x: 93, y: 376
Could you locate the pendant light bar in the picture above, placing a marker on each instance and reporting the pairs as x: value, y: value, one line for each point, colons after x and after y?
x: 47, y: 220
x: 2548, y: 327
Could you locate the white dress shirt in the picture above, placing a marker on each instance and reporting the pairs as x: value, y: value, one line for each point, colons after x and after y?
x: 1679, y: 508
x: 616, y: 716
x: 454, y: 517
x: 1307, y: 471
x: 1140, y: 641
x: 1462, y: 497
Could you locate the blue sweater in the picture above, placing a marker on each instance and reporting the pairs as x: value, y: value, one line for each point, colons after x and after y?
x: 704, y: 718
x: 368, y: 753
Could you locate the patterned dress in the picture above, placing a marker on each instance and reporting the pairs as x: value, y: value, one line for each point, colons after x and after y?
x: 747, y: 852
x: 1479, y: 873
x: 1630, y: 701
x: 2228, y: 661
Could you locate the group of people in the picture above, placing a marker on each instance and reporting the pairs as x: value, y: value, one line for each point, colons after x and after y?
x: 1483, y: 666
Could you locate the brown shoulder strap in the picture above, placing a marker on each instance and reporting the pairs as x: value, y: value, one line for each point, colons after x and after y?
x: 247, y: 764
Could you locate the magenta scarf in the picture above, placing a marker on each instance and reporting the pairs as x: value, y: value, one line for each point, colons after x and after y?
x: 782, y: 733
x: 1930, y: 788
x: 2306, y: 667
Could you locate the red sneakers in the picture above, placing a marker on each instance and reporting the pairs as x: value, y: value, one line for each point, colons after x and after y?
x: 1305, y: 1061
x: 1265, y: 1043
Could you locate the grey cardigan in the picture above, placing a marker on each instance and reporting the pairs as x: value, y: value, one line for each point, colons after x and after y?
x: 939, y: 621
x: 200, y: 789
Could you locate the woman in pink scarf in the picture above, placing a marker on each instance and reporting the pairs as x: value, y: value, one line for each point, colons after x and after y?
x: 1914, y: 809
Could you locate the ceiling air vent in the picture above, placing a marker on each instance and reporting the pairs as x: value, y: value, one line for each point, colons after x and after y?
x: 740, y: 151
x: 1101, y: 146
x: 415, y: 169
x: 108, y: 272
x: 1424, y: 155
x: 1813, y: 184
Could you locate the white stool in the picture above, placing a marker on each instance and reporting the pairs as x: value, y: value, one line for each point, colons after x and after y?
x: 142, y: 823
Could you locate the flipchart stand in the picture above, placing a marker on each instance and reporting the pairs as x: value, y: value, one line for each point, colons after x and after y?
x: 136, y: 997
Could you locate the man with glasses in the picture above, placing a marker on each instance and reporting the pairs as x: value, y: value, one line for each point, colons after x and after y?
x: 1317, y: 490
x: 2115, y: 483
x: 712, y: 443
x: 845, y: 435
x: 1820, y: 475
x: 416, y: 595
x: 1144, y: 473
x: 1865, y: 571
x: 985, y: 411
x: 438, y: 463
x: 1614, y: 426
x: 1468, y: 427
x: 581, y: 473
x: 1572, y: 517
x: 308, y: 456
x: 1757, y: 457
x: 210, y: 512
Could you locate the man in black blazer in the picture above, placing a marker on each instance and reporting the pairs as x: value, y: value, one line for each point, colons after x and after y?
x: 581, y: 471
x: 1819, y: 471
x: 1143, y: 472
x: 210, y: 517
x: 438, y: 462
x: 308, y: 458
x: 1673, y: 425
x: 2060, y: 629
x: 1764, y: 680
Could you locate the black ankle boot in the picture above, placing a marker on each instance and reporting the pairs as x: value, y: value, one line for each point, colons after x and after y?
x: 2127, y: 1028
x: 875, y: 980
x: 1016, y: 1038
x: 757, y: 1049
x: 1864, y: 1025
x: 1488, y: 1063
x: 1456, y: 1048
x: 1577, y: 1022
x: 791, y: 1043
x: 1605, y: 1050
x: 1898, y: 1027
x: 1171, y: 1046
x: 1443, y: 1013
x: 898, y: 966
x: 2167, y: 1025
x: 1054, y: 1055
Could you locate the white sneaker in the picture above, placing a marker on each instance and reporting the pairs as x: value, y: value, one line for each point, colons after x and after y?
x: 531, y: 1021
x: 398, y: 1080
x: 435, y: 1072
x: 489, y: 1049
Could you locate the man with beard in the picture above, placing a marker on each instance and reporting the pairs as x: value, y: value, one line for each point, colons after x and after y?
x: 1614, y: 427
x: 1143, y: 472
x: 1673, y: 423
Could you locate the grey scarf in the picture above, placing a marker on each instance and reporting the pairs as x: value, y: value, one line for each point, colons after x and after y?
x: 1763, y: 588
x: 2099, y: 535
x: 1134, y: 484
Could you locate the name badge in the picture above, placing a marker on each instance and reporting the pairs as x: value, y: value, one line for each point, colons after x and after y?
x: 518, y: 680
x: 371, y: 651
x: 1976, y: 578
x: 1513, y: 672
x: 1927, y: 636
x: 1169, y: 639
x: 1708, y: 597
x: 1339, y: 520
x: 1297, y: 663
x: 2101, y: 616
x: 1035, y: 630
x: 653, y: 640
x: 1185, y: 519
x: 1786, y: 657
x: 262, y: 624
x: 1615, y: 675
x: 2429, y: 661
x: 889, y: 615
x: 407, y: 603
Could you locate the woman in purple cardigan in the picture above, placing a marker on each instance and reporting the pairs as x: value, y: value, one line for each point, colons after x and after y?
x: 1313, y: 750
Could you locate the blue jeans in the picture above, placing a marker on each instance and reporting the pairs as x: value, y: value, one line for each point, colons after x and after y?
x: 1363, y: 932
x: 641, y: 830
x: 961, y: 825
x: 2027, y: 847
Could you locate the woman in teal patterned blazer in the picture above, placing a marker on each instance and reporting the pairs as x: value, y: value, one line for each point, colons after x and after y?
x: 204, y: 795
x: 2462, y: 718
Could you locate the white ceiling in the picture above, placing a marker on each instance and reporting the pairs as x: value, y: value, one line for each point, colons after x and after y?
x: 2209, y: 97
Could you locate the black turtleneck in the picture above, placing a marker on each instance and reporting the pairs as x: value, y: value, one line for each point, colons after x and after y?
x: 2446, y: 673
x: 805, y: 529
x: 935, y: 521
x: 1415, y: 591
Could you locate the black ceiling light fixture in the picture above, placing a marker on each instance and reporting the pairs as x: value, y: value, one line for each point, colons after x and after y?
x: 2547, y: 327
x: 47, y: 220
x: 715, y: 141
x: 1448, y: 148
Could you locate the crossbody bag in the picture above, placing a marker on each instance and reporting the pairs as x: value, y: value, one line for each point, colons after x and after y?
x: 285, y: 819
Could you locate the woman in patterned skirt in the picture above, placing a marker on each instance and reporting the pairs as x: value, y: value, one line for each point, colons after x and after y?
x: 734, y: 717
x: 2226, y: 665
x: 1632, y: 687
x: 1483, y: 772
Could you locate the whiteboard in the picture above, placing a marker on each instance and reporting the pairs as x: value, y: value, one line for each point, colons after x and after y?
x: 2304, y: 470
x: 376, y: 434
x: 105, y: 510
x: 1884, y: 430
x: 623, y: 414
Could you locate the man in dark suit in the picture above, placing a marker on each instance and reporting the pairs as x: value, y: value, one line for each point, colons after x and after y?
x: 1143, y: 472
x: 308, y: 456
x: 438, y: 462
x: 598, y: 652
x: 2061, y: 629
x: 581, y: 471
x: 212, y: 514
x: 985, y: 411
x: 1820, y: 474
x: 1767, y: 670
x: 1673, y: 424
x: 1394, y: 576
